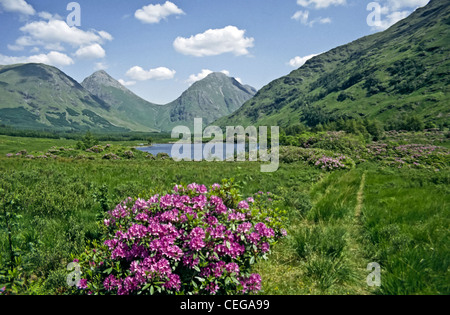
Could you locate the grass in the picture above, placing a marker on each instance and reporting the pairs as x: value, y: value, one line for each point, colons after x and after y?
x: 338, y: 222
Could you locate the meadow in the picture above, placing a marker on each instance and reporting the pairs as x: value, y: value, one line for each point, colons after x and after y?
x: 344, y: 209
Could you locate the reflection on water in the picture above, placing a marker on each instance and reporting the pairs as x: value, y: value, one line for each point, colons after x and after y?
x: 167, y: 148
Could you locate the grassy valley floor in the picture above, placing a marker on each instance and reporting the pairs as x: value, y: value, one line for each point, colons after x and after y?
x: 338, y: 221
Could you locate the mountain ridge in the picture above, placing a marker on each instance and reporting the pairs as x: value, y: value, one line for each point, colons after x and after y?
x: 39, y: 96
x: 214, y: 96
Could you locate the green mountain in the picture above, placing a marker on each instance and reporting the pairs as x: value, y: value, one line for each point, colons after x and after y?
x: 215, y: 96
x: 138, y: 113
x: 401, y: 71
x: 37, y: 96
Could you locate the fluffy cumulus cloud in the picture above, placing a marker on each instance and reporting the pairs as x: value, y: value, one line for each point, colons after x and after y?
x: 320, y: 4
x: 215, y: 42
x: 203, y: 74
x: 127, y: 83
x: 154, y: 13
x: 57, y: 32
x: 53, y: 58
x: 162, y: 73
x: 298, y: 61
x: 94, y: 51
x: 18, y: 6
x: 391, y: 11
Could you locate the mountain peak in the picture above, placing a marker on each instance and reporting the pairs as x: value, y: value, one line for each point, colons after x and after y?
x: 101, y: 78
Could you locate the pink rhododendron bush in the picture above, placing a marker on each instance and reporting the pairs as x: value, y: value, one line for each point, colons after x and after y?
x: 193, y: 241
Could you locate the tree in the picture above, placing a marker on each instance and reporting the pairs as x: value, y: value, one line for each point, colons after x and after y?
x: 375, y: 129
x: 88, y: 141
x: 414, y: 123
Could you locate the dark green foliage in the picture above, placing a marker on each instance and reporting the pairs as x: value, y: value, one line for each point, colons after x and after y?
x: 88, y: 141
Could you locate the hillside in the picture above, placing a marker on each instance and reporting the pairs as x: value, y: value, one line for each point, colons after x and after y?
x: 401, y: 71
x: 215, y: 96
x: 37, y: 96
x: 140, y: 114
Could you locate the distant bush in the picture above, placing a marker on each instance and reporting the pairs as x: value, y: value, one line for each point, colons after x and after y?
x: 319, y: 158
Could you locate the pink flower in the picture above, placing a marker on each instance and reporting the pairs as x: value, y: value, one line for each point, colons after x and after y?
x: 82, y: 284
x: 243, y: 205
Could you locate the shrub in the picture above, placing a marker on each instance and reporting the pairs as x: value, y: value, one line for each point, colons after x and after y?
x: 319, y: 158
x: 193, y: 241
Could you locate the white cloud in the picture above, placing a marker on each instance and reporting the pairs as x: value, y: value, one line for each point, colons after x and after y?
x: 15, y: 47
x: 48, y: 16
x: 100, y: 66
x: 94, y: 51
x: 298, y: 61
x: 214, y: 42
x: 390, y: 19
x: 154, y: 13
x: 320, y: 4
x: 324, y: 20
x: 53, y: 58
x: 20, y: 6
x: 127, y: 83
x: 162, y: 73
x: 303, y: 17
x: 401, y: 4
x: 105, y: 35
x: 55, y: 32
x: 393, y: 11
x: 203, y: 74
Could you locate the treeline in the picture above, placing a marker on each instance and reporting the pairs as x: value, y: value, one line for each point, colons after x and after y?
x: 78, y: 135
x: 371, y: 129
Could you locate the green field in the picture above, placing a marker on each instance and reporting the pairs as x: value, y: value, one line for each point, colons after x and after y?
x: 339, y: 220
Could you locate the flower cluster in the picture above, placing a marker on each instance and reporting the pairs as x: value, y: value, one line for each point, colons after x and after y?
x: 193, y: 241
x: 319, y: 158
x: 330, y: 164
x: 128, y: 154
x: 111, y: 156
x: 408, y: 155
x: 96, y: 149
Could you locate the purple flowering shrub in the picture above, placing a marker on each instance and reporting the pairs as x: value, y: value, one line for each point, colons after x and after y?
x: 193, y: 241
x: 408, y: 155
x: 318, y: 158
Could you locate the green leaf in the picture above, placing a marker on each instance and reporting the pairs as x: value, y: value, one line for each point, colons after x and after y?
x: 108, y: 271
x: 200, y: 279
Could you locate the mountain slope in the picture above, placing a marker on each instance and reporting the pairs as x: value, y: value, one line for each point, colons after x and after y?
x: 142, y: 115
x: 39, y: 96
x: 403, y: 70
x: 215, y: 96
x: 211, y: 98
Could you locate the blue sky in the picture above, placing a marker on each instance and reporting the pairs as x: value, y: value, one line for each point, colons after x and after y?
x: 158, y: 48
